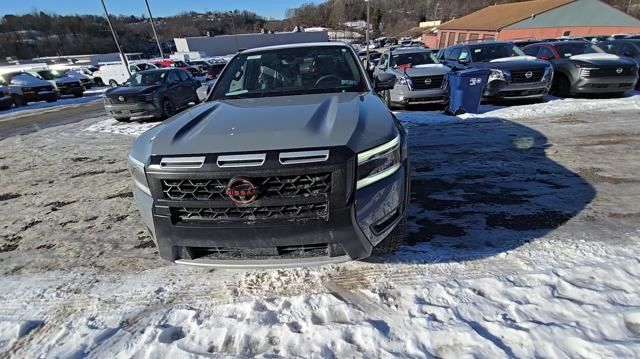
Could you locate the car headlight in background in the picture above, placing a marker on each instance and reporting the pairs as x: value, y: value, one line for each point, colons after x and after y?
x: 139, y: 177
x: 548, y: 74
x: 378, y: 163
x: 496, y: 75
x: 404, y: 80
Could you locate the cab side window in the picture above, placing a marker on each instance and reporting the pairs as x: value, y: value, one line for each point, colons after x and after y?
x: 628, y: 50
x: 532, y: 51
x: 183, y: 75
x: 545, y: 53
x: 464, y: 55
x: 173, y: 77
x: 383, y: 60
x: 453, y: 54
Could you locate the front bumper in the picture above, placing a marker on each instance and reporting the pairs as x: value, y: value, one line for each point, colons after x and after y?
x: 6, y: 101
x: 30, y: 96
x: 70, y: 90
x: 516, y: 91
x: 401, y: 94
x: 138, y: 109
x: 355, y: 223
x: 604, y: 84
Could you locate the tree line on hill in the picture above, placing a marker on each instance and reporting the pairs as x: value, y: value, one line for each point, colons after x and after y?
x: 44, y: 34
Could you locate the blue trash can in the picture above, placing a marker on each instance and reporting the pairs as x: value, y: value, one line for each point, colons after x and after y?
x: 465, y: 90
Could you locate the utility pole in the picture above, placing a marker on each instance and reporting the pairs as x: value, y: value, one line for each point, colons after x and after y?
x: 153, y: 26
x: 367, y: 32
x: 629, y: 7
x: 123, y: 56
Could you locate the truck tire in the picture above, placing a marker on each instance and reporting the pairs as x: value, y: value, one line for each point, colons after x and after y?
x: 561, y: 86
x: 168, y: 108
x: 78, y: 94
x: 113, y: 83
x: 18, y: 101
x: 123, y: 119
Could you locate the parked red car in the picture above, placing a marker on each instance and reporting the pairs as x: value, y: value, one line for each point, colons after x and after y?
x: 177, y: 64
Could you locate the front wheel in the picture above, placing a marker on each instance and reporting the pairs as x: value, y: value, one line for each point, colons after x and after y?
x: 18, y: 101
x: 168, y: 108
x: 113, y: 83
x: 561, y: 87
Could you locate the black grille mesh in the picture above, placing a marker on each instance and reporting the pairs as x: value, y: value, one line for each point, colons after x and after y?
x: 268, y: 187
x: 297, y: 211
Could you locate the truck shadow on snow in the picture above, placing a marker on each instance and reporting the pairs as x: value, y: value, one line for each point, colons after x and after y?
x: 484, y: 186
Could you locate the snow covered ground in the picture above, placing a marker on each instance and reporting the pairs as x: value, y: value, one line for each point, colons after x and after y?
x: 524, y: 243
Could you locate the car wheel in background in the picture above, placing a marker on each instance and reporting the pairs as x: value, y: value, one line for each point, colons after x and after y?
x: 168, y: 108
x: 123, y: 119
x: 98, y: 81
x: 6, y: 107
x: 52, y: 99
x: 113, y: 83
x: 78, y: 94
x: 18, y: 101
x: 561, y: 86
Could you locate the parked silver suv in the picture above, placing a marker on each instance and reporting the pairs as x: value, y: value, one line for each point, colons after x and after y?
x: 420, y: 79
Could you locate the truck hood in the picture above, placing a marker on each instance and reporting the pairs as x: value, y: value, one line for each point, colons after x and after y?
x: 65, y: 81
x: 515, y: 62
x: 423, y: 70
x: 357, y: 120
x: 602, y: 59
x: 124, y: 90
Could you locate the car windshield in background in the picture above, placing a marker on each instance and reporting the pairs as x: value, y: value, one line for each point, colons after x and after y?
x: 143, y: 67
x: 293, y: 71
x: 413, y: 58
x: 568, y: 50
x: 179, y: 64
x: 146, y: 78
x: 492, y: 52
x: 51, y: 74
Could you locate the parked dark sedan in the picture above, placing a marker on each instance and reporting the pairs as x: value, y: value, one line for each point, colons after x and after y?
x: 581, y: 67
x: 152, y: 93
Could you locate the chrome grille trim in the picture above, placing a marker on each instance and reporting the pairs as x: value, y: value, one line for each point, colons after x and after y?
x: 293, y: 158
x: 252, y: 160
x: 180, y: 162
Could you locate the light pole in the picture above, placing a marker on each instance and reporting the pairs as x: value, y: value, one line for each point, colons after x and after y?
x: 115, y: 38
x: 367, y: 32
x: 153, y: 26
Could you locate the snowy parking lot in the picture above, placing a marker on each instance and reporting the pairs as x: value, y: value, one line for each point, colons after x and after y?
x: 523, y: 242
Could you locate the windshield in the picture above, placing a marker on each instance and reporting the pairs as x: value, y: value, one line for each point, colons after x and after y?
x: 51, y: 74
x: 179, y: 64
x: 293, y: 71
x: 146, y: 78
x: 568, y: 50
x: 143, y: 67
x: 413, y: 58
x: 492, y: 52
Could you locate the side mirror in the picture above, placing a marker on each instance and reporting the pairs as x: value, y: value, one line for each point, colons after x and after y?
x: 202, y: 92
x: 384, y: 81
x: 463, y: 61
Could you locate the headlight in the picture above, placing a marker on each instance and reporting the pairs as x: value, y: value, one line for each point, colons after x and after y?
x: 548, y: 74
x: 139, y: 177
x: 496, y: 75
x: 401, y: 80
x: 378, y: 163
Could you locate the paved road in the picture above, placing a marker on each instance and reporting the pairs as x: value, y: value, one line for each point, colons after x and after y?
x: 31, y: 121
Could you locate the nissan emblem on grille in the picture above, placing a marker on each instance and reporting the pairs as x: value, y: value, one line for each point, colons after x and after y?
x: 427, y: 81
x: 528, y: 74
x: 619, y: 70
x: 241, y: 190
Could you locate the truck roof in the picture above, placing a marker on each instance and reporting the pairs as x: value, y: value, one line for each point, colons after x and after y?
x: 293, y: 46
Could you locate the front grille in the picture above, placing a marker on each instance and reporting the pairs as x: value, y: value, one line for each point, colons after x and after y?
x: 610, y: 71
x: 420, y: 82
x: 268, y: 187
x: 38, y: 88
x: 527, y: 75
x: 293, y: 211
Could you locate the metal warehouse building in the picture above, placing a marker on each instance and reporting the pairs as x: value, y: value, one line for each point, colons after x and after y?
x: 538, y: 19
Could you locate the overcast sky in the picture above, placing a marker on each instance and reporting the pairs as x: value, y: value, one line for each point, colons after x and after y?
x: 267, y: 8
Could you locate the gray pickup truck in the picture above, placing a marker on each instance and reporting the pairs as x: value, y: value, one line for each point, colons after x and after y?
x: 293, y: 160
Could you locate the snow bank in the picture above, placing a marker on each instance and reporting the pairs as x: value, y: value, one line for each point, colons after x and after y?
x: 122, y: 128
